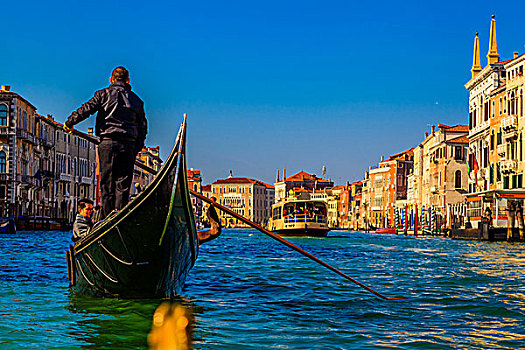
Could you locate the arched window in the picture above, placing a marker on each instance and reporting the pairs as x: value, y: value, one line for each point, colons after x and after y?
x: 3, y: 115
x: 3, y: 163
x: 457, y: 177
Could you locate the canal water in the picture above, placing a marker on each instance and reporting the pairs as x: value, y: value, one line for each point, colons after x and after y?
x: 249, y: 292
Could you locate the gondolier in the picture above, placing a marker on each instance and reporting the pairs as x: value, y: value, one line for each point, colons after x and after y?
x: 121, y: 124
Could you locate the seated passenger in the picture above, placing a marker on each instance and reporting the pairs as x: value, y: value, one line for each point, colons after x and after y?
x: 83, y: 224
x: 215, y: 225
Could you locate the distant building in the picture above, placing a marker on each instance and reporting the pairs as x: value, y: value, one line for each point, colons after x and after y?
x: 150, y: 157
x: 387, y: 185
x: 75, y: 170
x: 303, y: 180
x: 195, y: 184
x: 43, y: 171
x: 247, y: 197
x: 356, y: 212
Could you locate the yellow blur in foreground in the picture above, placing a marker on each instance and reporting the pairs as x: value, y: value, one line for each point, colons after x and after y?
x: 171, y: 329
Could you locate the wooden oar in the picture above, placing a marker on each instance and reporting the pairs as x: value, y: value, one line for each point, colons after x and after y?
x: 290, y: 245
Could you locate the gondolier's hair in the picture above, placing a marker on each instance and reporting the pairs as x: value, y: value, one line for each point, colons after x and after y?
x: 120, y: 74
x: 82, y: 203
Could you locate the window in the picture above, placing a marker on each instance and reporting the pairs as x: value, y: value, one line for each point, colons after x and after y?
x: 457, y: 178
x: 458, y: 152
x: 3, y: 168
x: 24, y: 120
x: 3, y: 115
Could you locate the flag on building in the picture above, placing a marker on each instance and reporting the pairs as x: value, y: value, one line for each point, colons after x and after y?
x: 476, y: 168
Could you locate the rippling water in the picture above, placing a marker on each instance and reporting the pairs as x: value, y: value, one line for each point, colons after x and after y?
x: 249, y: 292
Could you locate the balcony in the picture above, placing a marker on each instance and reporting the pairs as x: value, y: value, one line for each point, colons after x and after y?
x: 25, y: 135
x: 509, y: 123
x: 501, y: 149
x: 48, y: 174
x: 508, y: 166
x: 46, y: 143
x: 28, y: 180
x: 64, y: 177
x: 85, y: 180
x: 4, y: 130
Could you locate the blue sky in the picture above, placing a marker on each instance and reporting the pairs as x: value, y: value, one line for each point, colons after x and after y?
x: 266, y: 85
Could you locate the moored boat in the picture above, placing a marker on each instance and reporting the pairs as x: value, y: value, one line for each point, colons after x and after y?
x: 7, y: 225
x: 296, y: 217
x: 386, y: 230
x: 147, y: 249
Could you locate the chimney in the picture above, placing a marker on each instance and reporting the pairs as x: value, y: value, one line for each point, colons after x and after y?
x: 382, y: 158
x: 516, y: 54
x: 277, y: 179
x: 426, y: 134
x: 90, y: 131
x: 433, y: 129
x: 284, y: 174
x: 6, y: 87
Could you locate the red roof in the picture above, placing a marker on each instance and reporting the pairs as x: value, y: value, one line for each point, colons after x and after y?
x: 194, y: 175
x: 459, y: 139
x: 304, y: 176
x: 206, y: 188
x: 241, y: 180
x: 457, y: 128
x: 506, y: 61
x: 398, y: 156
x: 192, y: 172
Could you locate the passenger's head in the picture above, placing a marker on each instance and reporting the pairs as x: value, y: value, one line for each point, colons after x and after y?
x: 85, y: 207
x: 120, y: 74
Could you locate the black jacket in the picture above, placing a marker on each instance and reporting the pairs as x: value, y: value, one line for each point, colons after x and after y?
x: 120, y: 113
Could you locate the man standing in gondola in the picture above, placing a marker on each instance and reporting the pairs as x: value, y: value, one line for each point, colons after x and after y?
x: 122, y: 127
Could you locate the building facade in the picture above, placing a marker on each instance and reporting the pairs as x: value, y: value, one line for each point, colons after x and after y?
x: 247, y: 197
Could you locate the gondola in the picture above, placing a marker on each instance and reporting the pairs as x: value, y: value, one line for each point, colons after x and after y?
x: 7, y: 225
x: 147, y: 249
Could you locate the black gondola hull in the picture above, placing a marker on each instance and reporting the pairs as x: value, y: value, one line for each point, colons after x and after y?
x: 148, y: 248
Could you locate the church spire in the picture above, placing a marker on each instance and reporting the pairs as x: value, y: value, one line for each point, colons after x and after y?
x: 476, y: 66
x: 493, y: 55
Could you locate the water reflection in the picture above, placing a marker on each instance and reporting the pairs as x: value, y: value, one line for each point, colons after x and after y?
x: 107, y: 323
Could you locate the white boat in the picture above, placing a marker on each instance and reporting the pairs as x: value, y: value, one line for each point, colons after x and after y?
x: 296, y: 217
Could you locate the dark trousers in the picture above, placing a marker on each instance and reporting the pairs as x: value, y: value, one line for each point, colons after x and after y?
x: 117, y: 159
